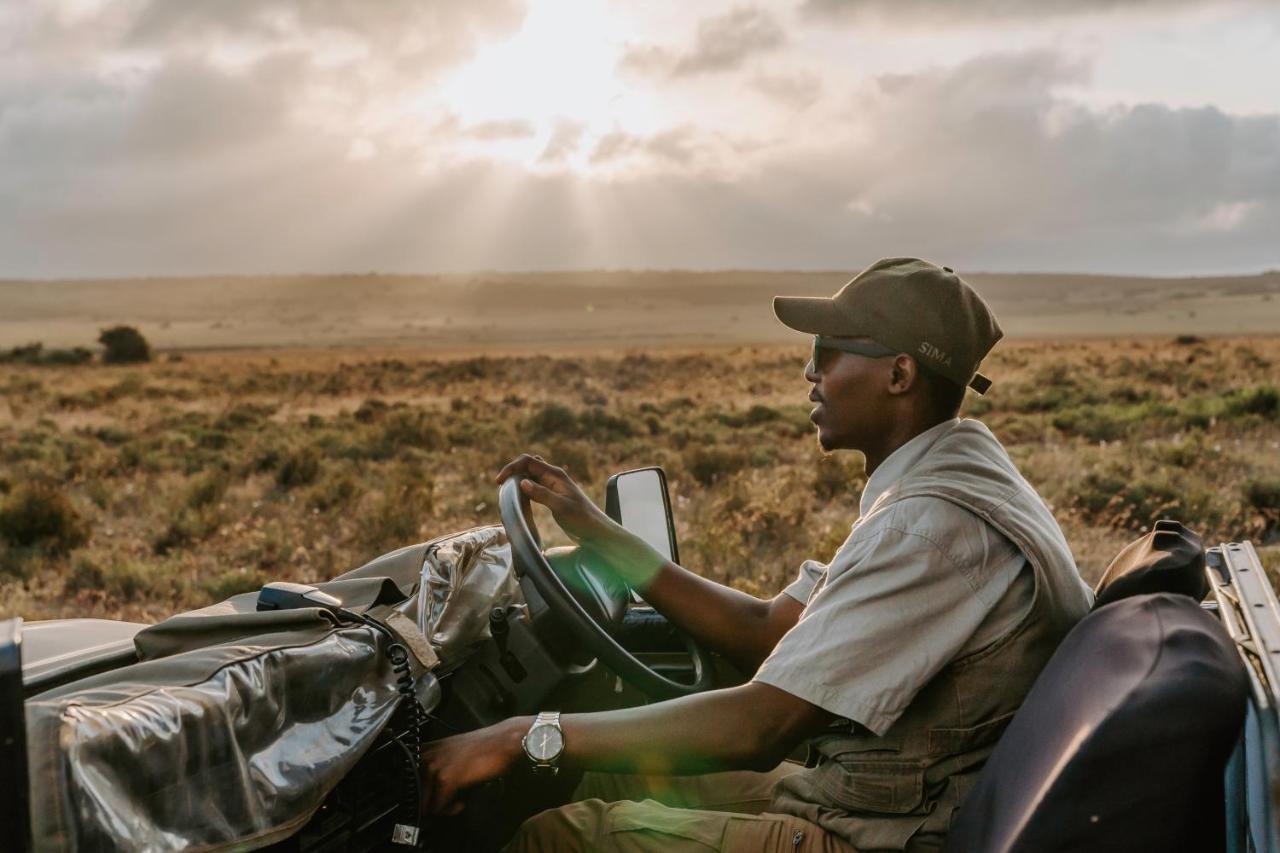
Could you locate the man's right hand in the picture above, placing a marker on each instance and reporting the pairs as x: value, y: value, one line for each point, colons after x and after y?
x: 627, y: 554
x: 732, y: 623
x: 555, y: 489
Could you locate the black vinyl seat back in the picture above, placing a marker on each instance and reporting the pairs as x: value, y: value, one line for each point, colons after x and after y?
x: 1121, y: 743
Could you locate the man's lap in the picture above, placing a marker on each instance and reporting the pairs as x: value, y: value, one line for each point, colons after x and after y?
x: 715, y: 811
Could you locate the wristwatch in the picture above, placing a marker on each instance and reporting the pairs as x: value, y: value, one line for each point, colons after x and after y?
x: 544, y: 744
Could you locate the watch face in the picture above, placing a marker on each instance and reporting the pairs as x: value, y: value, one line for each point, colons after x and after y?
x: 545, y: 742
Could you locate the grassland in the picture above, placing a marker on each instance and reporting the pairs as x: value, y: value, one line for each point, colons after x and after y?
x: 133, y: 492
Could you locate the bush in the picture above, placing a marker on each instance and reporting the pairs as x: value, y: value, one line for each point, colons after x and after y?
x: 551, y: 420
x: 232, y: 582
x: 335, y: 489
x: 411, y: 429
x: 187, y: 525
x: 207, y: 490
x: 834, y: 477
x: 396, y: 516
x: 124, y: 345
x: 709, y: 464
x: 119, y: 577
x: 299, y: 467
x: 1264, y: 400
x: 40, y: 515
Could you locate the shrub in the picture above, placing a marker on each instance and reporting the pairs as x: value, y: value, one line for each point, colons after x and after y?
x: 709, y: 464
x: 207, y: 489
x: 1264, y: 495
x: 119, y: 577
x: 551, y: 420
x: 37, y: 354
x: 186, y: 526
x: 124, y: 345
x: 40, y: 515
x: 299, y: 467
x: 1264, y: 400
x: 411, y: 429
x: 333, y: 490
x: 836, y: 478
x: 232, y: 582
x: 370, y: 410
x: 396, y: 515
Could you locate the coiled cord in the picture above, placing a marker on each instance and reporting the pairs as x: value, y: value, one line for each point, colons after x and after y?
x: 410, y: 745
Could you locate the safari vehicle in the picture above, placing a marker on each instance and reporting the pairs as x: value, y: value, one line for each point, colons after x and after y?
x: 288, y: 718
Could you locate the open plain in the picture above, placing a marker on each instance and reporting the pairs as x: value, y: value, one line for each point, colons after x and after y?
x: 137, y: 491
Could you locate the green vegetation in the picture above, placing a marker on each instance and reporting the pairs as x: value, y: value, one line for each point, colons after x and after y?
x: 124, y: 345
x: 140, y: 491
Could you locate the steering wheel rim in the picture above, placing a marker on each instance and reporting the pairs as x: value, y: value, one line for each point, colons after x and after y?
x: 526, y: 551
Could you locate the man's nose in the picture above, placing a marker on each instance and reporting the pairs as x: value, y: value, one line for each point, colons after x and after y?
x: 811, y: 372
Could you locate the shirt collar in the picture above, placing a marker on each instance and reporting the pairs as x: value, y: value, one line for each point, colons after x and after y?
x: 899, y: 462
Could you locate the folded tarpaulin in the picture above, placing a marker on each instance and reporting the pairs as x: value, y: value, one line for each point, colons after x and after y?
x: 238, y: 742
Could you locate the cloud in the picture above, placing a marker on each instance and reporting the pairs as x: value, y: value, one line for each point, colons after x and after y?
x: 722, y: 43
x: 563, y: 143
x: 272, y: 137
x: 795, y: 91
x: 501, y: 129
x: 900, y: 12
x: 430, y: 35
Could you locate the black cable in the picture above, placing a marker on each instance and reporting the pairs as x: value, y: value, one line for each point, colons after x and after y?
x: 399, y: 657
x: 411, y: 778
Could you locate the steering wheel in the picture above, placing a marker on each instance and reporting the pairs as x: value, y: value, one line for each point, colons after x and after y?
x: 528, y: 556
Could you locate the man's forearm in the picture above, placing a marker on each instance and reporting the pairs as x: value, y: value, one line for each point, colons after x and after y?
x: 751, y: 727
x: 729, y: 622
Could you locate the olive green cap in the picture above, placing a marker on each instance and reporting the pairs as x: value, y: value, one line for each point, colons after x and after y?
x: 908, y: 305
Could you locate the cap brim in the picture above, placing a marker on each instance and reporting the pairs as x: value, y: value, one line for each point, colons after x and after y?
x: 814, y: 315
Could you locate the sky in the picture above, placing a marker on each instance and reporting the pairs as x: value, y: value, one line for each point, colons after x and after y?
x: 176, y: 137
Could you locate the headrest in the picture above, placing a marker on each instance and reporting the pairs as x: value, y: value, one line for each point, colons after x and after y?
x: 1168, y: 559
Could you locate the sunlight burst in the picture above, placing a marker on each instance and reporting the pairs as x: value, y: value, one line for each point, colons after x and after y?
x: 551, y: 86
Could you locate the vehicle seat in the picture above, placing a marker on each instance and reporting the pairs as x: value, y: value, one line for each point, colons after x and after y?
x: 1122, y: 741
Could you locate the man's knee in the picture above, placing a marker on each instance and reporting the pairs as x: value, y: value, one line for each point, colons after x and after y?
x: 568, y: 828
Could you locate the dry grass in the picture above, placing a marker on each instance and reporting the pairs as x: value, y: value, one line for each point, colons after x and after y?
x: 134, y: 492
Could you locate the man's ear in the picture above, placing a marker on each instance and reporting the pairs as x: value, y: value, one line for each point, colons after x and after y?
x: 904, y: 374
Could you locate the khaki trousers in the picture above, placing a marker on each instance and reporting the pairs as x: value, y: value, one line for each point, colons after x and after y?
x: 673, y: 814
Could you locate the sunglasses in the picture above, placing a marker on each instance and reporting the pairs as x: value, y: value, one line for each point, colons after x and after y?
x: 868, y: 349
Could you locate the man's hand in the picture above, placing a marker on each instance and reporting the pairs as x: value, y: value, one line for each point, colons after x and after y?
x: 555, y: 489
x: 454, y: 764
x: 625, y: 553
x: 753, y: 726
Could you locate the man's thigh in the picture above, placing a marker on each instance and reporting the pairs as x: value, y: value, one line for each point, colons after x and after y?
x: 636, y: 827
x: 741, y: 791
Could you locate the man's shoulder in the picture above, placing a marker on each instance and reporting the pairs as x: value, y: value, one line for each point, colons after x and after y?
x: 925, y: 520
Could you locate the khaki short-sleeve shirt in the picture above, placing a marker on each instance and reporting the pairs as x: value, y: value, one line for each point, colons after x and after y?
x: 918, y: 582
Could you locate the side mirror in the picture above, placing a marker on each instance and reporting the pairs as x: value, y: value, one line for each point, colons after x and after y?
x: 638, y: 500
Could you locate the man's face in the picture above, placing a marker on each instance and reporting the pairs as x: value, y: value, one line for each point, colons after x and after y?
x: 850, y: 392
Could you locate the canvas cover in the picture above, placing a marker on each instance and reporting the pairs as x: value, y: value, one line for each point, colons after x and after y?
x: 235, y: 724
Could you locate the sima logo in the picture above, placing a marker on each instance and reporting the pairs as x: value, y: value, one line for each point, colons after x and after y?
x: 928, y: 350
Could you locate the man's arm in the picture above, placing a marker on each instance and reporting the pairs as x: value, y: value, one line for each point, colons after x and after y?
x: 732, y: 623
x: 754, y: 726
x: 739, y: 626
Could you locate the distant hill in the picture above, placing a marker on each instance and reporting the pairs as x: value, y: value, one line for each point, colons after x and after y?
x: 584, y: 309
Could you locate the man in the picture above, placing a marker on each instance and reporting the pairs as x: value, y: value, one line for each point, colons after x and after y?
x: 900, y: 661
